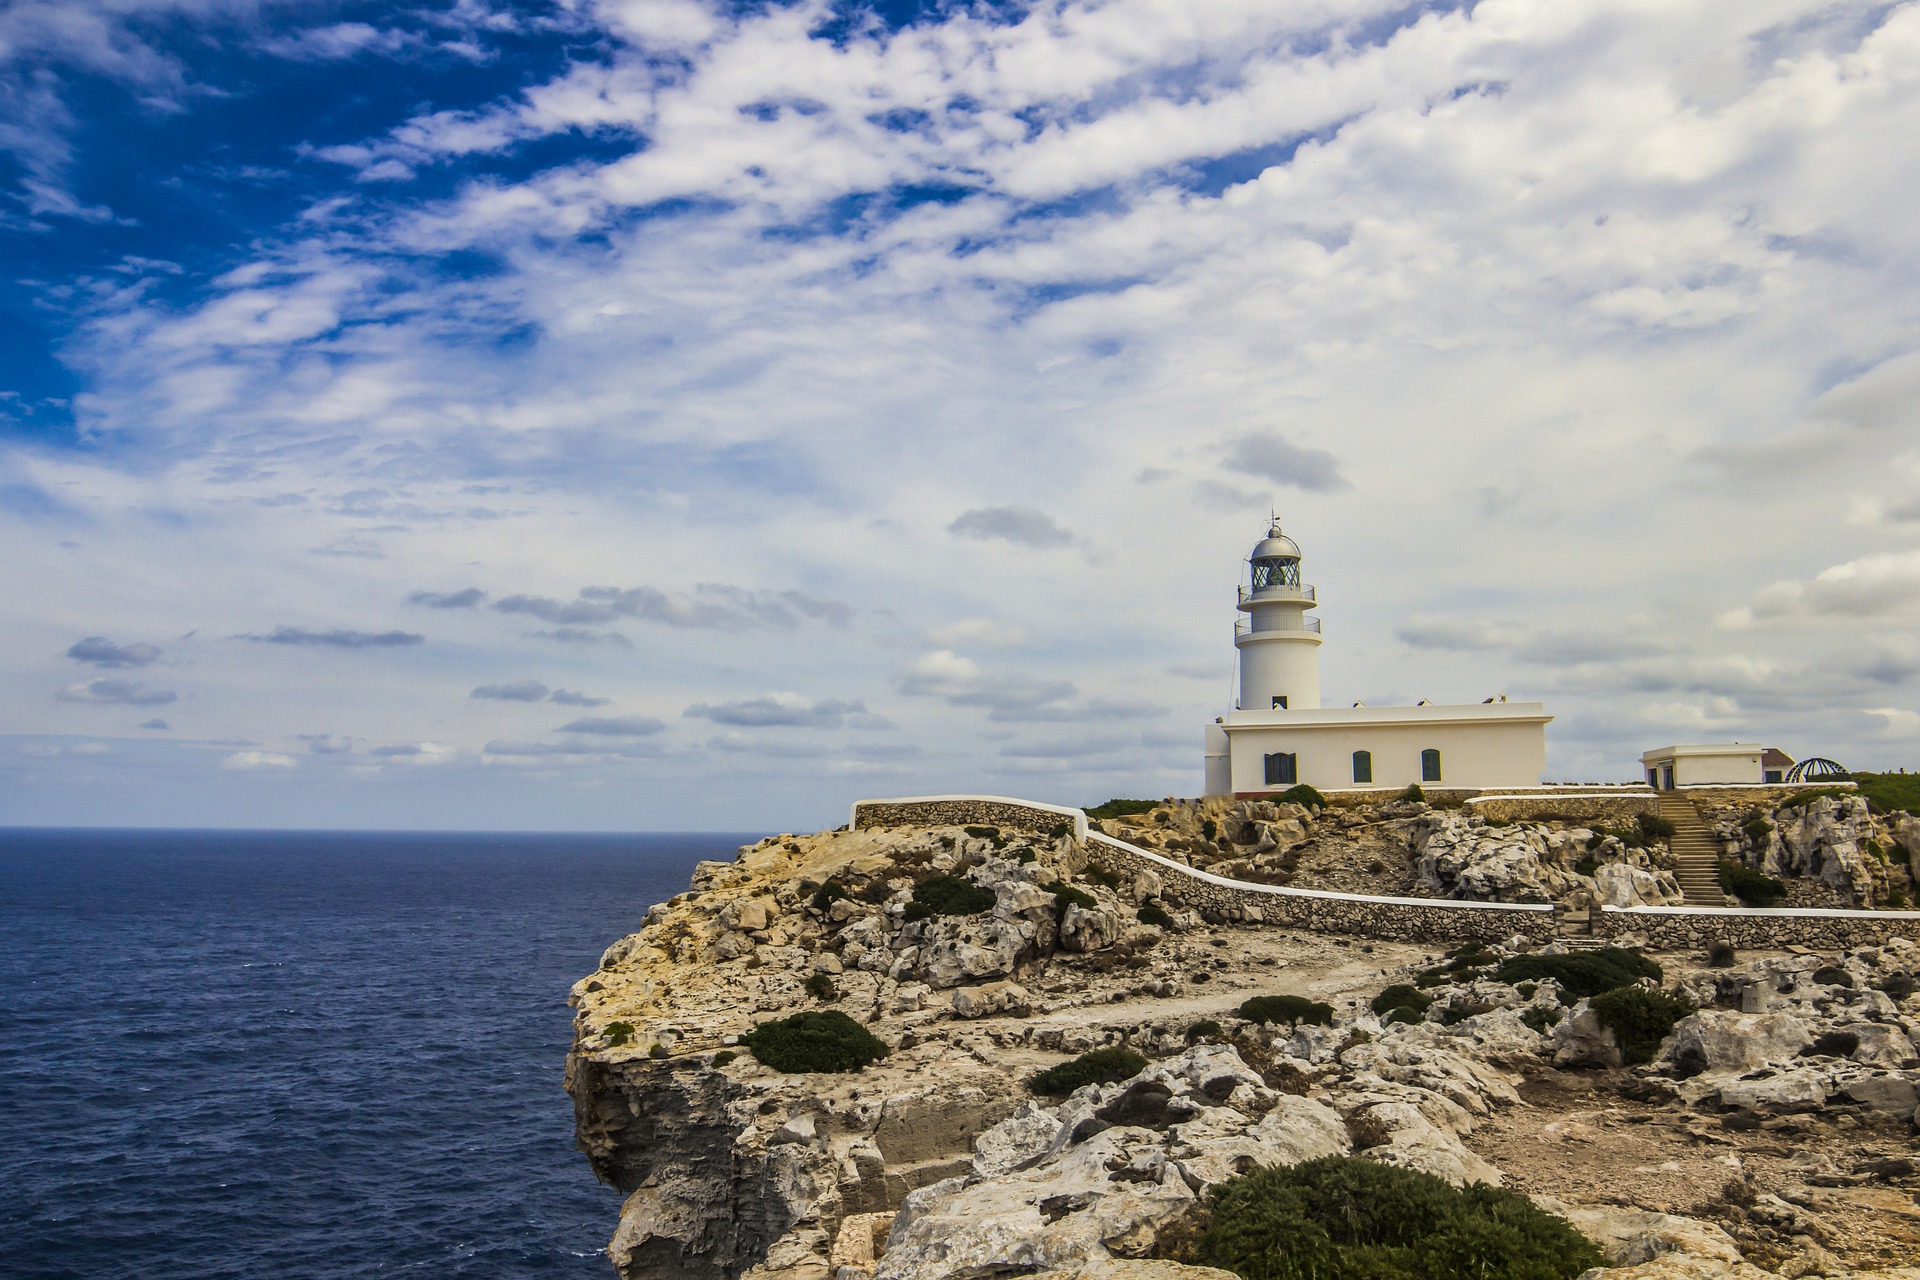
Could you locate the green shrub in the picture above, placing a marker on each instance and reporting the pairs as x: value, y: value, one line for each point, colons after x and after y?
x: 1581, y: 973
x: 1757, y: 829
x: 1897, y: 986
x: 1407, y: 1003
x: 1302, y: 794
x: 1209, y: 828
x: 1541, y: 1018
x: 828, y: 894
x: 722, y: 1058
x: 988, y: 833
x: 1720, y: 954
x: 1896, y: 900
x: 820, y: 987
x: 1065, y: 895
x: 1752, y: 888
x: 1117, y: 808
x: 1413, y: 792
x: 1205, y: 1029
x: 1102, y: 1066
x: 1586, y: 866
x: 1058, y: 831
x: 1526, y: 989
x: 948, y: 896
x: 1640, y: 1018
x: 657, y: 1051
x: 1345, y: 1218
x: 1890, y: 792
x: 1799, y: 798
x: 1653, y: 826
x: 1156, y: 916
x: 617, y: 1034
x: 1102, y: 876
x: 1295, y: 1009
x: 821, y: 1040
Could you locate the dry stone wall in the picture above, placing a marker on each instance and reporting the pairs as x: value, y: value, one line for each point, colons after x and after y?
x: 1402, y: 919
x: 967, y: 811
x: 1692, y: 928
x: 1614, y: 810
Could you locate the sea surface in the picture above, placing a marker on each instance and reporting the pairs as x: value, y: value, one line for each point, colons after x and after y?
x: 315, y: 1055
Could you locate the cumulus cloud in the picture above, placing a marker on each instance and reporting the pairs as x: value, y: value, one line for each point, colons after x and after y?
x: 1022, y: 526
x: 102, y: 652
x: 788, y: 710
x: 255, y: 760
x: 614, y: 726
x: 571, y: 698
x: 1273, y: 457
x: 710, y: 605
x: 570, y: 750
x: 466, y: 598
x: 513, y: 691
x: 126, y: 692
x: 1877, y: 586
x: 338, y: 639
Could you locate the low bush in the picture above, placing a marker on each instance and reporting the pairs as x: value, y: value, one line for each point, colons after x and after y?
x: 1209, y: 828
x: 820, y: 987
x: 722, y: 1058
x: 1653, y: 826
x: 657, y: 1051
x: 1581, y: 973
x: 1586, y: 866
x: 1058, y: 831
x: 827, y: 894
x: 617, y: 1034
x: 1413, y: 792
x: 1799, y: 798
x: 821, y: 1040
x: 1720, y: 954
x: 1065, y: 895
x: 1640, y: 1018
x: 1402, y: 1002
x: 1750, y: 886
x: 1541, y: 1018
x: 1102, y: 876
x: 1302, y: 794
x: 1757, y: 830
x: 988, y: 833
x: 1896, y: 900
x: 1102, y: 1066
x: 1294, y: 1009
x: 948, y: 896
x: 1155, y: 916
x: 1896, y: 986
x: 1205, y: 1029
x: 1345, y: 1218
x: 1890, y: 792
x: 1117, y: 808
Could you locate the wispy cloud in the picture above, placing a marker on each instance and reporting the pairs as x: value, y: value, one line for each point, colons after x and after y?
x: 1022, y: 526
x: 125, y: 692
x: 614, y: 726
x: 708, y: 606
x: 338, y: 639
x: 512, y: 691
x: 465, y: 598
x: 102, y: 652
x: 780, y: 709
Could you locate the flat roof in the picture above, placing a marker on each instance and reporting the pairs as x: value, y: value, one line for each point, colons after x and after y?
x: 1704, y: 749
x: 1349, y: 717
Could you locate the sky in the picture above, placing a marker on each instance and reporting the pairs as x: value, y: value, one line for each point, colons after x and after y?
x: 677, y: 415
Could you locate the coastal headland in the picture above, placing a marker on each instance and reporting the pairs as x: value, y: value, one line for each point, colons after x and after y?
x: 1515, y: 996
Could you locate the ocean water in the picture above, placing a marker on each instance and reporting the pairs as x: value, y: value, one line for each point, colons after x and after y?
x: 277, y: 1054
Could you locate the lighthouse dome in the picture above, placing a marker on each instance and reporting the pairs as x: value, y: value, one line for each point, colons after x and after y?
x: 1275, y: 546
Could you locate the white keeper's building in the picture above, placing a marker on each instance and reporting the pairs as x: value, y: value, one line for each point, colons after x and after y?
x: 1278, y: 734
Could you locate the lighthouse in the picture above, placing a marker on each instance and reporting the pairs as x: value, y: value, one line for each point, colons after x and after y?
x: 1278, y: 735
x: 1279, y: 644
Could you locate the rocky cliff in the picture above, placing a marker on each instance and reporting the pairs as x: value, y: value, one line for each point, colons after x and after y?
x: 1772, y: 1129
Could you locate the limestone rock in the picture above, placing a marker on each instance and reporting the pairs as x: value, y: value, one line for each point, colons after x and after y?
x: 1621, y: 884
x: 1717, y: 1040
x: 1628, y: 1237
x: 1802, y: 1090
x: 991, y: 998
x: 1581, y: 1041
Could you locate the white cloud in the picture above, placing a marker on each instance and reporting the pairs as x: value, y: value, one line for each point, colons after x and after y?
x: 1877, y: 586
x: 250, y: 760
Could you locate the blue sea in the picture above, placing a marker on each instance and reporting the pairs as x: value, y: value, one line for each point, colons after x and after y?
x: 273, y: 1054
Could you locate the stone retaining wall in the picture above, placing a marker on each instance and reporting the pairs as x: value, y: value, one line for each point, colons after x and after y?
x: 1583, y: 807
x: 1692, y: 928
x: 967, y: 811
x: 1401, y: 919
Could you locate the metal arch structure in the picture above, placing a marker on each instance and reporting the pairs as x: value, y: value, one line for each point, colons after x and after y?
x: 1816, y: 769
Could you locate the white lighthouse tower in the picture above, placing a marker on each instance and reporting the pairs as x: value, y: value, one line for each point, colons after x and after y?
x: 1279, y: 644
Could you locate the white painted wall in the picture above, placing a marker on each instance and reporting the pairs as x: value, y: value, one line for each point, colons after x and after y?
x: 1707, y: 764
x: 1480, y: 747
x: 1219, y: 761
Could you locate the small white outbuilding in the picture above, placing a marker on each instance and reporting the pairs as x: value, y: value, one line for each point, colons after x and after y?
x: 1711, y: 764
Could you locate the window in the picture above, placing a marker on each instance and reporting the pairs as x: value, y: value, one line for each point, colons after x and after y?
x: 1282, y: 769
x: 1430, y: 765
x: 1363, y: 766
x: 1279, y: 702
x: 1771, y: 775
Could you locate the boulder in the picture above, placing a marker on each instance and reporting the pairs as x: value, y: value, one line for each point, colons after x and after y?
x: 1783, y: 1091
x: 1620, y: 884
x: 1628, y: 1237
x: 1825, y: 840
x: 1581, y: 1041
x: 1082, y: 929
x: 1717, y: 1040
x: 990, y: 998
x: 1894, y: 1094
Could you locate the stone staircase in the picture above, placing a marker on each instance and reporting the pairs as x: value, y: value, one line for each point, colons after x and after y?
x: 1696, y: 853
